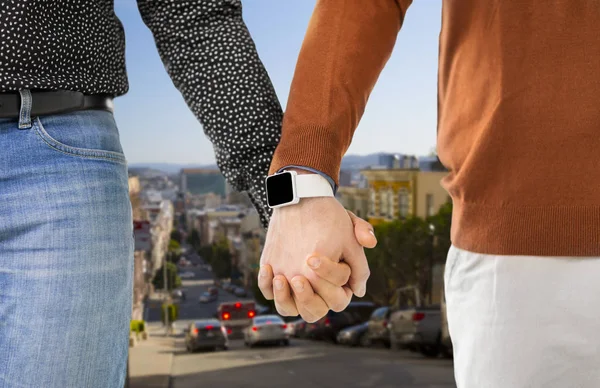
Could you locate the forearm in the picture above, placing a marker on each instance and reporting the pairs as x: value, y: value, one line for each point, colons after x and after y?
x: 212, y: 60
x: 346, y: 47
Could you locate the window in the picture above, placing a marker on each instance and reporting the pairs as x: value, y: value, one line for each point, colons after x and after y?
x: 373, y: 200
x: 383, y: 203
x: 390, y: 200
x: 403, y: 203
x: 380, y: 313
x: 268, y: 319
x: 429, y: 208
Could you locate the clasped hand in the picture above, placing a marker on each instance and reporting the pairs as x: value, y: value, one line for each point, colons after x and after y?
x: 313, y: 260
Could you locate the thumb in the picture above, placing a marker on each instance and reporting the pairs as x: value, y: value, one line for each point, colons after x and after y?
x: 355, y: 257
x: 363, y: 231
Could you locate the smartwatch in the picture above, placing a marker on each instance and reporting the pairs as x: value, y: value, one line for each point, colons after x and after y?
x: 287, y: 187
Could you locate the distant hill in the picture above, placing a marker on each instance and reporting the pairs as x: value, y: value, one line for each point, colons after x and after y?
x: 357, y: 162
x: 169, y: 168
x: 349, y: 162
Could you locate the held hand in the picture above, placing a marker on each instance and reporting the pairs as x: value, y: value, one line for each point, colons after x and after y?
x: 325, y: 286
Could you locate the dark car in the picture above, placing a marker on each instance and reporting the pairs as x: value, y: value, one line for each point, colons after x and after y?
x: 329, y: 326
x: 239, y: 291
x: 311, y: 330
x: 206, y: 334
x: 378, y: 331
x: 354, y: 335
x: 213, y: 290
x: 297, y: 328
x: 179, y: 294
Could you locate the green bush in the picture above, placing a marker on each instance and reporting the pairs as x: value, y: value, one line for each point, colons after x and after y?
x: 138, y: 326
x: 173, y: 310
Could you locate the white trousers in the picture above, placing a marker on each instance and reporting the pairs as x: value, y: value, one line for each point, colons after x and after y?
x: 523, y: 321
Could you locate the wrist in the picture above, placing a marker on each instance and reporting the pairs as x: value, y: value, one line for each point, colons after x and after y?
x: 300, y: 171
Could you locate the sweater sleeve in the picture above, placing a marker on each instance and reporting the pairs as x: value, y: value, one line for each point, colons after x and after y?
x: 345, y: 49
x: 212, y: 60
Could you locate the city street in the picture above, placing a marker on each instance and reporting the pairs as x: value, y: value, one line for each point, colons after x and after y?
x: 304, y: 364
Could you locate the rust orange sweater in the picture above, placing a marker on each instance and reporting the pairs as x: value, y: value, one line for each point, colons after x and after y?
x: 518, y: 113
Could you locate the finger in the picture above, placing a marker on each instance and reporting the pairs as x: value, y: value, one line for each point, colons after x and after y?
x: 335, y: 297
x: 336, y: 273
x: 265, y: 281
x: 310, y: 305
x: 356, y: 259
x: 363, y: 231
x: 284, y: 301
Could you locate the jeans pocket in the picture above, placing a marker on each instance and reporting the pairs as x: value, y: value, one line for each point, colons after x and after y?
x: 84, y: 134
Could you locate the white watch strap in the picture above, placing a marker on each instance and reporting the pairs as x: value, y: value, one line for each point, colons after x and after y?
x: 312, y: 185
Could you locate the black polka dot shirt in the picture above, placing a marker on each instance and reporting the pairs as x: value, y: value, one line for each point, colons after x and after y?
x: 205, y: 46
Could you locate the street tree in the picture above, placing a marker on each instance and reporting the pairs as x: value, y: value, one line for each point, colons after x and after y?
x: 194, y: 239
x: 221, y: 259
x: 173, y: 279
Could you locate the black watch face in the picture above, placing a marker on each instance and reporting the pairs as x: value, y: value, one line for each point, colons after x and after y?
x: 280, y: 189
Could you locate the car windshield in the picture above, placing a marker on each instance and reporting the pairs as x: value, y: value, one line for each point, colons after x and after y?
x: 212, y: 322
x: 268, y: 319
x: 206, y: 294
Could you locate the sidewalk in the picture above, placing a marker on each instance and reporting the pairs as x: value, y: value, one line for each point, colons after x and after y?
x: 150, y: 360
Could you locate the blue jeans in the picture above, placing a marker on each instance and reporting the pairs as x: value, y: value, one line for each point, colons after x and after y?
x: 66, y: 251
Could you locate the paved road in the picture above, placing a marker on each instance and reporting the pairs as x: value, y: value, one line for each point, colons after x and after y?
x: 304, y: 364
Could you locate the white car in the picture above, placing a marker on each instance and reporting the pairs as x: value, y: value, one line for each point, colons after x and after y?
x: 207, y: 297
x: 187, y: 275
x: 239, y: 291
x: 266, y: 329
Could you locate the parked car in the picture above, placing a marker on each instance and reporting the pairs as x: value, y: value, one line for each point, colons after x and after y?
x: 414, y: 325
x: 378, y: 332
x: 311, y: 330
x: 187, y: 275
x: 266, y: 329
x: 206, y: 334
x: 239, y: 291
x: 329, y: 326
x: 263, y: 310
x: 213, y: 290
x: 236, y: 316
x: 354, y: 335
x: 178, y: 294
x: 446, y: 342
x: 296, y: 328
x: 207, y: 297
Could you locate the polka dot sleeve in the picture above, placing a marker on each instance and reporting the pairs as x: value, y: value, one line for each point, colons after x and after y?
x: 212, y: 60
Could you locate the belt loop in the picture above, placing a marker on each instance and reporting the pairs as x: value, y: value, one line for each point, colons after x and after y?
x: 25, y: 112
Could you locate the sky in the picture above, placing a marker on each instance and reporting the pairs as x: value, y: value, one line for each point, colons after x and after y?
x: 156, y: 125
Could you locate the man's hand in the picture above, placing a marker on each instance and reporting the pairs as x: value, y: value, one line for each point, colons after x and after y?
x: 330, y: 234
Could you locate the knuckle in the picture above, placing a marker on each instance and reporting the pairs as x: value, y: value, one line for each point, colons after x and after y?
x: 365, y: 275
x: 285, y: 312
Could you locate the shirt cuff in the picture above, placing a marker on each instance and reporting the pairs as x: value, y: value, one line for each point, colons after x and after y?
x: 329, y: 179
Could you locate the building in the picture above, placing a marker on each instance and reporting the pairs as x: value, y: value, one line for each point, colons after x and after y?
x: 161, y: 219
x: 202, y: 181
x: 203, y: 201
x: 140, y: 267
x: 394, y: 161
x: 208, y: 222
x: 345, y: 178
x: 253, y: 240
x: 403, y: 192
x: 355, y: 199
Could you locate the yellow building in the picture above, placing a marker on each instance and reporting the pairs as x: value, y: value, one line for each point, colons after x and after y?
x: 403, y: 192
x: 355, y: 199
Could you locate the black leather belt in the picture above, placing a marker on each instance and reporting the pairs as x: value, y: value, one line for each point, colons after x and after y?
x: 53, y: 102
